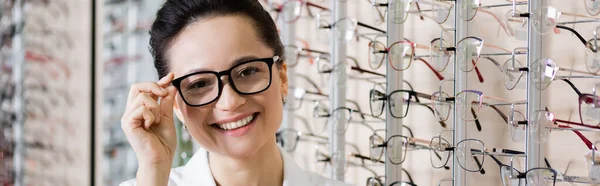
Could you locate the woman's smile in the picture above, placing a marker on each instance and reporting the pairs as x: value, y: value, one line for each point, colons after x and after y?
x: 235, y: 126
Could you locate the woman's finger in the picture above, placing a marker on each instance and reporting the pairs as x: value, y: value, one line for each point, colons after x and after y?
x: 150, y: 103
x: 165, y: 81
x: 148, y: 87
x: 142, y: 116
x: 166, y: 103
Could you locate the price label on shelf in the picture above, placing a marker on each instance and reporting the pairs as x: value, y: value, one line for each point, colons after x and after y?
x: 299, y: 93
x: 549, y: 71
x: 552, y: 13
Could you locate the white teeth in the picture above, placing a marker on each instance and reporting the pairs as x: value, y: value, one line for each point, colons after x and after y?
x: 236, y: 124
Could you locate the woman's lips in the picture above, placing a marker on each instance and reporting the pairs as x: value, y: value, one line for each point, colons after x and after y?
x: 237, y: 132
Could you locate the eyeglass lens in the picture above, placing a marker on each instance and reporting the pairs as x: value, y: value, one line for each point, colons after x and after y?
x: 288, y: 139
x: 592, y: 7
x: 467, y: 103
x: 399, y: 10
x: 396, y: 98
x: 470, y: 155
x: 543, y: 72
x: 592, y: 59
x: 439, y: 57
x: 541, y: 177
x: 516, y: 131
x: 438, y: 147
x: 400, y: 55
x: 545, y: 19
x: 377, y: 102
x: 512, y: 75
x: 376, y: 152
x: 467, y: 53
x: 291, y: 10
x: 468, y: 9
x: 538, y: 127
x: 376, y: 56
x: 440, y: 106
x: 396, y: 149
x: 441, y: 11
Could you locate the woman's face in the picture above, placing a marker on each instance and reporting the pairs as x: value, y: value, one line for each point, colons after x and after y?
x: 217, y: 44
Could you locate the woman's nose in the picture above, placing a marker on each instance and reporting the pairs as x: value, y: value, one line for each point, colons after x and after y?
x: 229, y: 100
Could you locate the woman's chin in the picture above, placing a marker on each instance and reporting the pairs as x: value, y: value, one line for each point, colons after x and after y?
x: 241, y: 150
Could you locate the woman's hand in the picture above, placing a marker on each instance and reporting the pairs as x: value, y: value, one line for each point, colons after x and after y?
x: 148, y: 122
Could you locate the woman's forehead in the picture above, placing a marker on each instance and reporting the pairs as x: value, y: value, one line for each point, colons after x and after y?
x: 215, y: 44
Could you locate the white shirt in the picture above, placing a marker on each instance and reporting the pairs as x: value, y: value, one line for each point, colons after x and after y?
x: 197, y: 173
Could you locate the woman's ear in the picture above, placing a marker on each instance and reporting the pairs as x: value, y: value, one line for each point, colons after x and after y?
x: 177, y: 110
x: 284, y: 79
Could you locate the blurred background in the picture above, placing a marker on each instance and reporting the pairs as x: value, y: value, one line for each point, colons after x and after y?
x: 66, y: 68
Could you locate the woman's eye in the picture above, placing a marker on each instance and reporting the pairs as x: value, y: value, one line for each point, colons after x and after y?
x: 249, y: 71
x: 199, y: 84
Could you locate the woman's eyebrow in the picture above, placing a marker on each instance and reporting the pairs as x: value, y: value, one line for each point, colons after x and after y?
x: 235, y: 62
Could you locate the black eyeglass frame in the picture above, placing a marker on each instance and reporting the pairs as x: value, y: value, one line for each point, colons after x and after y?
x: 269, y: 61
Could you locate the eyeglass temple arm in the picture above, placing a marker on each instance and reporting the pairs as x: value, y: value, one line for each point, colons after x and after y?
x: 316, y: 6
x: 587, y: 45
x: 311, y: 82
x: 477, y: 123
x: 497, y: 47
x: 500, y: 164
x: 479, y: 76
x: 577, y: 124
x: 433, y: 112
x: 576, y: 71
x: 408, y: 175
x: 482, y: 171
x: 578, y: 15
x: 360, y: 70
x: 498, y: 99
x: 371, y: 27
x: 504, y: 117
x: 439, y: 76
x: 572, y: 86
x: 359, y: 156
x: 497, y: 20
x: 584, y: 139
x: 495, y: 63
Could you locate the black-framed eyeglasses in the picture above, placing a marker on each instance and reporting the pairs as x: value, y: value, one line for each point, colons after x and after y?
x: 246, y: 78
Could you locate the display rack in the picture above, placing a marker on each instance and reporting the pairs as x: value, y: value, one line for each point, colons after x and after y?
x: 337, y: 136
x: 394, y: 81
x: 461, y: 82
x: 535, y: 97
x: 18, y: 59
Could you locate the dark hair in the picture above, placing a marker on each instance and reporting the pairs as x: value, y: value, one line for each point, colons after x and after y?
x: 175, y: 15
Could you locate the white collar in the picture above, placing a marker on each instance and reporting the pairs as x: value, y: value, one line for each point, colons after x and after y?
x: 197, y: 170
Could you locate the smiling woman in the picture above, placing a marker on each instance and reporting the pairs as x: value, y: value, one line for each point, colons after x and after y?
x: 222, y: 74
